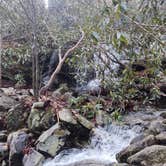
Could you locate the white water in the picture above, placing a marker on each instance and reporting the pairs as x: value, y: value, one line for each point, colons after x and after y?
x: 105, y: 144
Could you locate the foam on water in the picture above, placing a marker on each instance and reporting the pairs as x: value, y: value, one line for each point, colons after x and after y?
x: 105, y: 144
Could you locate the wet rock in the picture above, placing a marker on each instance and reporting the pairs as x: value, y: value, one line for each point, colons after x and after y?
x: 16, y: 117
x: 34, y: 158
x: 3, y: 150
x: 150, y: 156
x: 67, y: 116
x: 161, y: 138
x: 6, y: 102
x: 157, y: 126
x: 17, y: 141
x: 52, y: 140
x: 134, y: 148
x: 138, y: 139
x: 3, y: 136
x: 39, y: 118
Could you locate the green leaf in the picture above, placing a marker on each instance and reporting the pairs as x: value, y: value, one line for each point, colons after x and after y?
x: 117, y: 11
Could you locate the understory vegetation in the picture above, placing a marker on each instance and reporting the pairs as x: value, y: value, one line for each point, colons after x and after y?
x: 123, y: 44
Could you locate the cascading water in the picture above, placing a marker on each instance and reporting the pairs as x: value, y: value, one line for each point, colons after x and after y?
x: 105, y: 144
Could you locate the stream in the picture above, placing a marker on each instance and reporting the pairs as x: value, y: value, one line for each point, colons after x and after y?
x: 105, y: 143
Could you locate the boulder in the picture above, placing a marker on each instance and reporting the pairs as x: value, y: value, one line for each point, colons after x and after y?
x: 6, y: 102
x: 67, y: 116
x: 34, y: 158
x: 161, y: 138
x: 16, y: 117
x: 3, y: 150
x: 150, y: 156
x: 17, y: 141
x: 52, y: 140
x: 40, y: 119
x: 134, y: 148
x: 83, y: 121
x: 157, y: 126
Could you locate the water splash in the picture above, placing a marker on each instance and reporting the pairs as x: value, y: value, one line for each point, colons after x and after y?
x: 105, y: 144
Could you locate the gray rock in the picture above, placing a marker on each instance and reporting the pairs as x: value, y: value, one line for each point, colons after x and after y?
x: 83, y: 121
x: 134, y: 148
x: 3, y: 150
x: 16, y: 117
x: 161, y: 138
x: 34, y: 158
x: 150, y: 156
x: 17, y: 141
x: 52, y: 140
x: 6, y: 102
x: 157, y: 126
x: 40, y: 119
x: 67, y: 116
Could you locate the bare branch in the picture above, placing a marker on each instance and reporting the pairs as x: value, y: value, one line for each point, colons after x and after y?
x: 60, y: 64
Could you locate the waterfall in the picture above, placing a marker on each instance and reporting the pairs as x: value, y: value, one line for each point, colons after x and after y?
x: 104, y: 145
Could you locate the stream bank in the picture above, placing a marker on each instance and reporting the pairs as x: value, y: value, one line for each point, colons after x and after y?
x: 33, y: 135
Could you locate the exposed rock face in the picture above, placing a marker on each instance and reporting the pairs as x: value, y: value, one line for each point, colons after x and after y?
x: 17, y: 141
x: 40, y: 119
x: 52, y: 140
x: 152, y: 155
x: 34, y: 158
x: 16, y: 117
x: 134, y: 148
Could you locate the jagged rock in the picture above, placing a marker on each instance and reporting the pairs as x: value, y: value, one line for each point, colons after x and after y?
x: 17, y: 141
x: 134, y: 148
x: 157, y: 126
x: 16, y: 117
x: 161, y: 138
x: 150, y: 156
x: 3, y: 150
x: 6, y: 102
x: 39, y: 118
x: 3, y: 136
x: 83, y: 121
x: 52, y: 140
x: 67, y: 116
x: 34, y: 158
x: 102, y: 118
